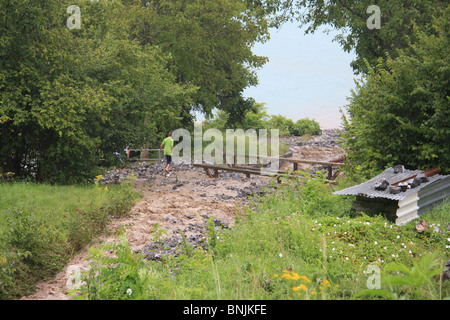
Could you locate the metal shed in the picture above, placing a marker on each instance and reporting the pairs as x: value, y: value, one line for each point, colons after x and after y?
x: 406, y: 194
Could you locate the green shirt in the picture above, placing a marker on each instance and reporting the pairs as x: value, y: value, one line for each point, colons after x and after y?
x: 167, y: 144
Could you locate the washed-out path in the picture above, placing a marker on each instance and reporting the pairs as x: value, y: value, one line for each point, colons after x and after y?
x: 183, y: 201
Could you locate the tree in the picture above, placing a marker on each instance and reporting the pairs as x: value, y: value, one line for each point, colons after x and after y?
x: 211, y: 45
x: 280, y: 122
x: 401, y: 115
x: 306, y: 126
x: 72, y: 97
x: 350, y: 19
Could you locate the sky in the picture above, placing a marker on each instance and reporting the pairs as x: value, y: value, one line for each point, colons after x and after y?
x: 307, y: 76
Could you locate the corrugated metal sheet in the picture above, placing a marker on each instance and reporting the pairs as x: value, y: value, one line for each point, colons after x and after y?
x: 367, y: 189
x: 408, y: 209
x: 433, y: 194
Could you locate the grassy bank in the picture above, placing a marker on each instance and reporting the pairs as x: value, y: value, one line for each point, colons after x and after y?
x: 301, y: 242
x: 43, y: 226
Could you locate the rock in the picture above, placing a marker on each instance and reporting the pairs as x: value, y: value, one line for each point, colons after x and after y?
x: 415, y: 183
x: 446, y: 273
x: 422, y: 177
x: 403, y: 186
x: 399, y: 169
x: 394, y: 190
x: 421, y: 227
x: 381, y: 184
x: 436, y: 229
x: 220, y: 223
x: 175, y: 187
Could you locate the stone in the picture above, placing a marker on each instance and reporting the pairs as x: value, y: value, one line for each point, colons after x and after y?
x: 446, y: 273
x: 421, y: 227
x: 381, y: 184
x: 403, y: 186
x: 394, y: 190
x: 415, y: 183
x: 422, y: 177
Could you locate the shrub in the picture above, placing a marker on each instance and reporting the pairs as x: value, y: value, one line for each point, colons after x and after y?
x: 34, y: 246
x: 306, y: 126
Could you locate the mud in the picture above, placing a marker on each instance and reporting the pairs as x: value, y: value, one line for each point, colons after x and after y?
x: 181, y: 203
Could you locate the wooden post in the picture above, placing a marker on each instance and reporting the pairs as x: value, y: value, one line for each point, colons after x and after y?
x: 295, y: 166
x: 208, y: 172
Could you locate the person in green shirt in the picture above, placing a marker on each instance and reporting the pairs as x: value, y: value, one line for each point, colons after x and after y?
x: 167, y: 144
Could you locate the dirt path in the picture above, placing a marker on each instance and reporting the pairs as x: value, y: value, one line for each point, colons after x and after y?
x: 184, y: 201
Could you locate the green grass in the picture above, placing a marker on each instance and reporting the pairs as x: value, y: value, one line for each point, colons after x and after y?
x: 301, y: 242
x: 46, y: 201
x: 42, y: 226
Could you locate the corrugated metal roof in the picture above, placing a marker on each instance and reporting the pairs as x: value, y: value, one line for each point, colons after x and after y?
x: 367, y: 189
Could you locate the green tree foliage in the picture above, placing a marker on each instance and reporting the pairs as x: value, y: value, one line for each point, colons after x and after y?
x: 350, y: 17
x: 133, y: 71
x: 210, y: 42
x: 402, y: 116
x: 258, y: 118
x: 400, y: 110
x: 306, y: 126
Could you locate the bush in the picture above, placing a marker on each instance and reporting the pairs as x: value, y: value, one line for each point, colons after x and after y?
x: 400, y: 114
x: 306, y: 126
x: 34, y: 246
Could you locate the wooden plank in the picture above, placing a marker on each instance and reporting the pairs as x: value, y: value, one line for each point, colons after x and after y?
x: 206, y: 167
x: 324, y: 163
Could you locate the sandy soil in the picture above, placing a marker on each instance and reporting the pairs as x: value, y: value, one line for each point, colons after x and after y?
x: 182, y: 201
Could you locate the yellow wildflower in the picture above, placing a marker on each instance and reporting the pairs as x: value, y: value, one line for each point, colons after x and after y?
x: 300, y: 287
x: 99, y: 177
x: 325, y: 283
x: 290, y: 275
x: 306, y: 279
x: 106, y: 188
x: 313, y: 293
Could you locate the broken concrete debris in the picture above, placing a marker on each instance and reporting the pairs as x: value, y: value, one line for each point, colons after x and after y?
x: 381, y: 184
x: 421, y: 227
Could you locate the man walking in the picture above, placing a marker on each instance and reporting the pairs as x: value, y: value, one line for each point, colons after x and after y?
x: 167, y: 144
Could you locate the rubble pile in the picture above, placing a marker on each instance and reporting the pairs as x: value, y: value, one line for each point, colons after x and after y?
x: 328, y: 139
